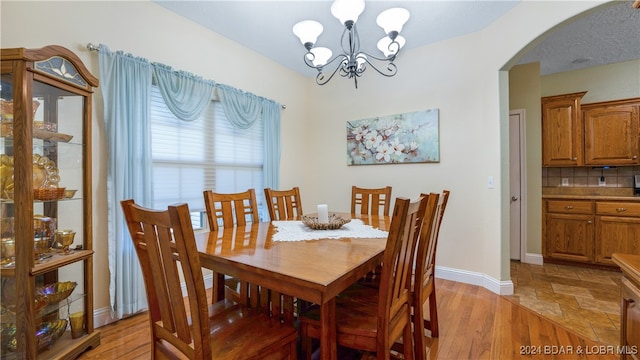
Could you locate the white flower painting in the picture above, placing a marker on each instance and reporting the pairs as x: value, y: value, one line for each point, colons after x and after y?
x: 394, y: 139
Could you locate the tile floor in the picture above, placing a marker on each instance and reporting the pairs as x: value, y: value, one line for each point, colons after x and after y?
x: 584, y: 300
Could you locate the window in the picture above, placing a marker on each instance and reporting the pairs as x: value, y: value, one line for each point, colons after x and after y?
x: 208, y: 153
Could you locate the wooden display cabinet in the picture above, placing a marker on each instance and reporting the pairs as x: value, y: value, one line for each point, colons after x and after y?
x: 45, y: 145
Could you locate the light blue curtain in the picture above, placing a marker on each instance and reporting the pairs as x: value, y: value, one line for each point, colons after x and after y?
x: 185, y: 94
x: 271, y: 169
x: 242, y: 110
x: 126, y: 88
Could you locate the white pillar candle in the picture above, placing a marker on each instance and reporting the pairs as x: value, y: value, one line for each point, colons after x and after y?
x: 323, y: 214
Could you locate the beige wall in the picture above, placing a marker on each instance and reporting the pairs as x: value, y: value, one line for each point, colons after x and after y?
x: 464, y: 77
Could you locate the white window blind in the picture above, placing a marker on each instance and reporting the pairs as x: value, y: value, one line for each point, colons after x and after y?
x: 205, y: 154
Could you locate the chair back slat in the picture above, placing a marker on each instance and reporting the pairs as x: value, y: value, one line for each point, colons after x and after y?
x: 283, y: 204
x: 426, y: 241
x: 233, y: 209
x: 431, y: 253
x: 371, y: 201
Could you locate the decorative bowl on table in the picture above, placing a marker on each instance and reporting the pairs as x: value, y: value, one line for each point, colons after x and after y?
x: 56, y: 292
x: 335, y: 222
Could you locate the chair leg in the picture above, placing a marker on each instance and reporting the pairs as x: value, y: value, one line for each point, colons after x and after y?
x: 419, y: 340
x: 305, y: 343
x: 407, y: 340
x: 433, y: 314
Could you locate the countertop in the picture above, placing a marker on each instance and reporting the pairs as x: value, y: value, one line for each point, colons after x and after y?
x: 629, y: 264
x: 590, y: 193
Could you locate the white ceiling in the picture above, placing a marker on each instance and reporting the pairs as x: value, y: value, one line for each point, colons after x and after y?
x: 609, y: 34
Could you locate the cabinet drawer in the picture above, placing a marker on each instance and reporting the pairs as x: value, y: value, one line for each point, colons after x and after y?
x: 618, y: 209
x: 570, y: 207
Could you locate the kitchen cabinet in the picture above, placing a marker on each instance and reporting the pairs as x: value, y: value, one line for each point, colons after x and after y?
x: 562, y: 137
x: 630, y: 309
x: 46, y: 264
x: 569, y: 230
x: 589, y: 231
x: 611, y: 131
x: 617, y: 230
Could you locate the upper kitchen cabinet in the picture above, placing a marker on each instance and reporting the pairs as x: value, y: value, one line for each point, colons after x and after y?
x: 562, y: 136
x: 611, y: 132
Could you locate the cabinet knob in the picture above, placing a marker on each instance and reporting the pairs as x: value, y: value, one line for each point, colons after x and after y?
x: 574, y: 159
x: 634, y: 157
x: 589, y: 221
x: 621, y: 209
x: 568, y: 207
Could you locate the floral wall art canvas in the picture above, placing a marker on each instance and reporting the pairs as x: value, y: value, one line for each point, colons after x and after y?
x: 394, y: 139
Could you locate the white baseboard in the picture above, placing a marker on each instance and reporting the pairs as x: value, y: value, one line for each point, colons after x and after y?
x: 475, y: 278
x: 535, y: 259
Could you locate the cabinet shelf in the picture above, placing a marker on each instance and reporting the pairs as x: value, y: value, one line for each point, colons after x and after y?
x: 54, y: 262
x: 41, y: 134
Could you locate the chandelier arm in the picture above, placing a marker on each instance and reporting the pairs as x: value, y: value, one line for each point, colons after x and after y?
x: 320, y: 78
x: 392, y: 69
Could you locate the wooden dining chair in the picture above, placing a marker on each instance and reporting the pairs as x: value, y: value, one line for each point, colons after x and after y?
x: 424, y: 288
x: 191, y: 328
x: 369, y: 319
x: 228, y: 210
x: 370, y: 201
x: 283, y: 204
x: 232, y: 209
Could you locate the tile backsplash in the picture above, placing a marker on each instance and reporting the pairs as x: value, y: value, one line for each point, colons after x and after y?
x: 589, y: 177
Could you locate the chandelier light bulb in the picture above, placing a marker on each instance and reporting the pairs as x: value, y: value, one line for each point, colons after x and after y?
x: 347, y: 10
x: 393, y: 19
x: 385, y: 42
x: 320, y: 55
x: 308, y: 31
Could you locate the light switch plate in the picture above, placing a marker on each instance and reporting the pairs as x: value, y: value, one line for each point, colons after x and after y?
x: 565, y: 181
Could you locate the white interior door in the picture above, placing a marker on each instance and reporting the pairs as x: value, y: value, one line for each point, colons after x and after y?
x: 516, y: 184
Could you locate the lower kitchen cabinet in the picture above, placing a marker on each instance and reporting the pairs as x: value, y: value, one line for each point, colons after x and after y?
x: 590, y: 231
x: 570, y: 237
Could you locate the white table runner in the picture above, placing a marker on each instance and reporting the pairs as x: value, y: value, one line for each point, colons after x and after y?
x: 297, y: 231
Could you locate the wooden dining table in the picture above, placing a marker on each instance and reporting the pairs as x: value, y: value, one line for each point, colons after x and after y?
x: 311, y: 270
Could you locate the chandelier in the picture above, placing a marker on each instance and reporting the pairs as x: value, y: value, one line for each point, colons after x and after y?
x: 352, y: 62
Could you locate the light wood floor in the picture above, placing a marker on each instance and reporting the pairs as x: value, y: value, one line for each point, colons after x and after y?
x: 474, y: 324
